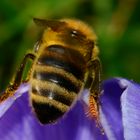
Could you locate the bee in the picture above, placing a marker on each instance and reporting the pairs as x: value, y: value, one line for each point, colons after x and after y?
x: 64, y: 63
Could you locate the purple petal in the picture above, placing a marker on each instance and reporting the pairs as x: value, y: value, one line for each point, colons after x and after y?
x: 120, y: 105
x: 131, y: 110
x: 19, y: 122
x: 111, y: 116
x: 4, y: 106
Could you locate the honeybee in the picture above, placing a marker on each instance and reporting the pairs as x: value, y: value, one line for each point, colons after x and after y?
x: 64, y: 62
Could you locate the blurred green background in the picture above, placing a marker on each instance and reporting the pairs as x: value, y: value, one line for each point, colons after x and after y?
x: 116, y: 23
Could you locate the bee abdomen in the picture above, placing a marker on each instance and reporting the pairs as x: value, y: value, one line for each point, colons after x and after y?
x: 51, y: 94
x: 47, y: 111
x: 56, y: 80
x: 64, y: 58
x: 49, y: 100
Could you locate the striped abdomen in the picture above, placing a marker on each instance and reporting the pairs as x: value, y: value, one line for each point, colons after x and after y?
x: 56, y: 80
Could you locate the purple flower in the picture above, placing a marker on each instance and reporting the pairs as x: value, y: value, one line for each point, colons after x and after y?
x: 119, y: 113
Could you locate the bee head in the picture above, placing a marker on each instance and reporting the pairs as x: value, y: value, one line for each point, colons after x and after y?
x: 69, y: 31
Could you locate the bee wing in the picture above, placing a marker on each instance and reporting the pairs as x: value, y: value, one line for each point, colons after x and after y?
x: 53, y: 24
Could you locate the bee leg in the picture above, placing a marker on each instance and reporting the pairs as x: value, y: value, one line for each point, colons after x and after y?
x: 18, y: 78
x: 19, y: 74
x: 94, y: 74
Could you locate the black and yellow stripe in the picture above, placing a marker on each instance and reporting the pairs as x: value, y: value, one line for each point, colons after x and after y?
x: 52, y: 91
x: 64, y: 58
x: 57, y: 79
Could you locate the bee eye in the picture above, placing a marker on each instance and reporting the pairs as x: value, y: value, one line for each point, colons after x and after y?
x: 74, y: 33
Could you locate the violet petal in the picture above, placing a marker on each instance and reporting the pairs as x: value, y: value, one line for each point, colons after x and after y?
x: 19, y: 122
x: 111, y: 116
x: 131, y: 110
x: 4, y: 106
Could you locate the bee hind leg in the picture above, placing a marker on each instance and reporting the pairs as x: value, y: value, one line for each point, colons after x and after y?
x: 17, y: 79
x: 94, y: 87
